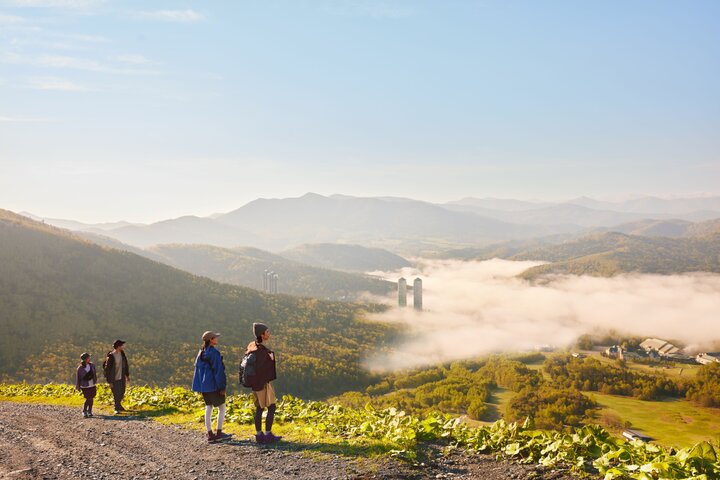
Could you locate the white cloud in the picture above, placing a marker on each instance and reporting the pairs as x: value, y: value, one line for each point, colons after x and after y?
x: 73, y: 4
x: 8, y: 119
x: 11, y: 19
x: 57, y: 84
x: 62, y: 61
x: 178, y: 16
x: 473, y: 308
x: 133, y: 59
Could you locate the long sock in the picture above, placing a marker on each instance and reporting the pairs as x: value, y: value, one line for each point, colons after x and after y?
x: 270, y: 418
x: 208, y: 417
x: 221, y: 416
x: 258, y: 419
x: 90, y: 405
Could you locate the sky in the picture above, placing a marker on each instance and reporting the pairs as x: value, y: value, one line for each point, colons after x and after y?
x: 149, y: 110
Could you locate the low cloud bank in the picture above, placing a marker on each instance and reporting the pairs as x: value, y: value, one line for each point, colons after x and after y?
x: 474, y: 308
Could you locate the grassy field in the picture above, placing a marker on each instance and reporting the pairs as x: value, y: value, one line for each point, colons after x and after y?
x: 674, y: 422
x: 674, y: 371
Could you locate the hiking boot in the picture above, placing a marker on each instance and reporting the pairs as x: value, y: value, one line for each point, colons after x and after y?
x: 260, y: 438
x: 116, y: 412
x: 85, y: 414
x: 270, y: 438
x: 89, y: 414
x: 220, y: 436
x: 211, y: 438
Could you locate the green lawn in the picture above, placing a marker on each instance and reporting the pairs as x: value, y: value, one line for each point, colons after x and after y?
x: 674, y: 422
x: 674, y: 370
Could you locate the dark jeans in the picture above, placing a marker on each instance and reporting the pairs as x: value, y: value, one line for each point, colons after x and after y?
x: 89, y: 394
x: 118, y: 390
x: 268, y: 419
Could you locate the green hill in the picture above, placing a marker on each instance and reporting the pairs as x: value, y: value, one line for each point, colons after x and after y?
x: 245, y: 267
x: 61, y: 295
x: 609, y: 254
x: 353, y: 258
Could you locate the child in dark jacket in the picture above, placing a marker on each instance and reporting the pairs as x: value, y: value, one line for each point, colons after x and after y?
x: 86, y: 381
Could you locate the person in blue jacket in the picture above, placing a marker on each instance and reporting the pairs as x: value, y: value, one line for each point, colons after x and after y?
x: 210, y: 380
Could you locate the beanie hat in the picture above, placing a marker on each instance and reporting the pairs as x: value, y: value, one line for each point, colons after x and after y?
x: 259, y: 329
x: 84, y: 356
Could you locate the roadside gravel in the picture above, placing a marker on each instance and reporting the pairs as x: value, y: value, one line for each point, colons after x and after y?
x: 51, y: 442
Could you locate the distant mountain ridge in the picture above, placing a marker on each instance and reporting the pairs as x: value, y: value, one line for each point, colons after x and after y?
x: 403, y: 225
x: 352, y: 258
x: 246, y: 266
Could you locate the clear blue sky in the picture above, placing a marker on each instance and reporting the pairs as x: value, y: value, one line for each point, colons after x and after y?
x: 148, y: 110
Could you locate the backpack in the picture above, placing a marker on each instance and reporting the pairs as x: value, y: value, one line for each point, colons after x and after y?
x: 248, y: 371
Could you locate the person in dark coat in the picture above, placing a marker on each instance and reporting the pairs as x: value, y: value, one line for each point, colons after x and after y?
x: 263, y: 391
x: 86, y: 382
x: 117, y: 373
x: 210, y: 380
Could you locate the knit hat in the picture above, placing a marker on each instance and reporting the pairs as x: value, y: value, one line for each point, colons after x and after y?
x: 259, y: 329
x: 84, y: 356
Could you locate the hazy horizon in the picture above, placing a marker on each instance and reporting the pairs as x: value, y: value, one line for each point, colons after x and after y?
x: 148, y: 218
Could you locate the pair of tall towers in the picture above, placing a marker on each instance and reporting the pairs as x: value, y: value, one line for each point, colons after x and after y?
x: 270, y: 282
x: 417, y: 293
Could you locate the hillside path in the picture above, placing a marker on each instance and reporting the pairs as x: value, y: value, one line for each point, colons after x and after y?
x: 51, y: 442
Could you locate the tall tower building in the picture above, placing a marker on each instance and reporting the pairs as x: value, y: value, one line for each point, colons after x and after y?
x: 417, y: 294
x: 275, y: 283
x: 402, y: 292
x: 265, y: 281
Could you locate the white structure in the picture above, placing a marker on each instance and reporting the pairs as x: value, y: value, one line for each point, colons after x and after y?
x: 661, y: 347
x: 417, y: 294
x: 402, y: 292
x: 708, y: 358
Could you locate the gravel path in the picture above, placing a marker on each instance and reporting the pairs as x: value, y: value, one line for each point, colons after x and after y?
x: 42, y: 441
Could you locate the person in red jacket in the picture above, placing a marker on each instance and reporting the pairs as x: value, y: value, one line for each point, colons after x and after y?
x: 263, y: 391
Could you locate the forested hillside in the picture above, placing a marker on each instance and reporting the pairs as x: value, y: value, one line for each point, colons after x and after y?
x: 245, y: 267
x: 354, y: 258
x: 61, y: 295
x: 610, y: 254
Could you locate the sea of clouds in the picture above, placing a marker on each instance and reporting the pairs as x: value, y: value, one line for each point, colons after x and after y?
x: 473, y: 308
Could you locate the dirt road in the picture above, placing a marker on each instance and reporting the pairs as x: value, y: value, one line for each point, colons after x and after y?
x: 50, y: 442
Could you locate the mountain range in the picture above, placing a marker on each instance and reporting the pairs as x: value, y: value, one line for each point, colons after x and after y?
x: 404, y: 226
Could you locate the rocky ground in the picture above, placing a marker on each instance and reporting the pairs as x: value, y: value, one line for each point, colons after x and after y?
x: 50, y: 442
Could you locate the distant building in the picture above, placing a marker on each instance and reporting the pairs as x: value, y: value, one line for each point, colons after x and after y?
x: 660, y: 347
x: 417, y: 294
x: 270, y: 282
x: 708, y: 358
x: 631, y: 435
x: 275, y: 283
x: 402, y: 292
